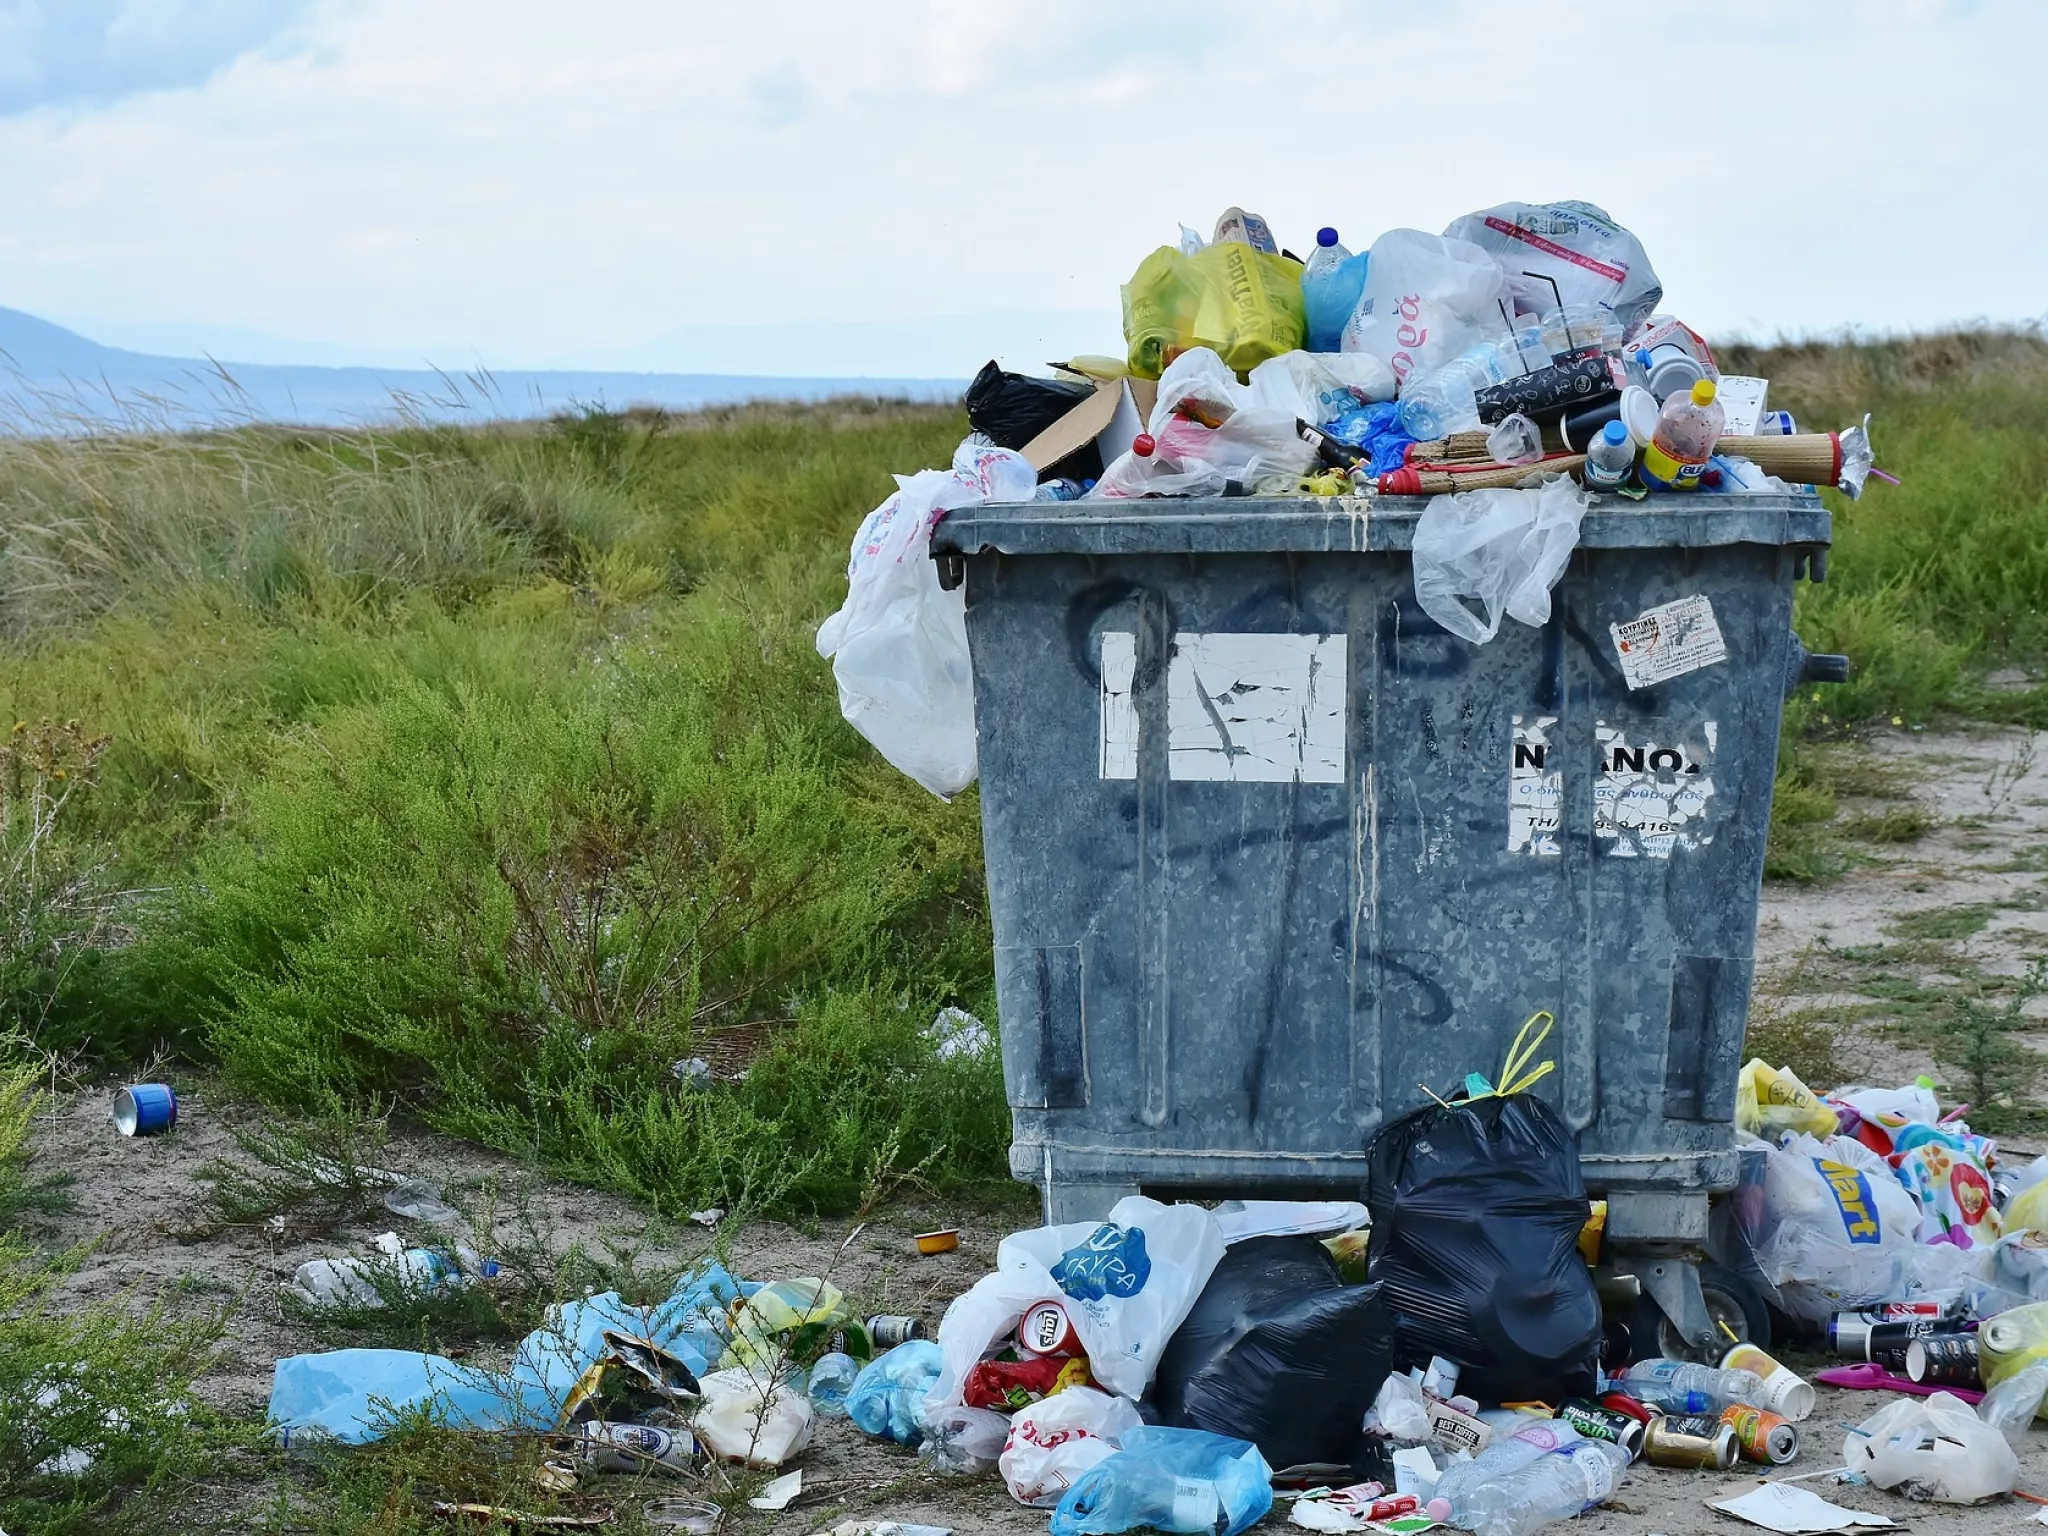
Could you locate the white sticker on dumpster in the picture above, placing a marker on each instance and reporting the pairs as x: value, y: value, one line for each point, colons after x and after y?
x: 1651, y: 797
x: 1535, y: 789
x: 1245, y: 709
x: 1670, y: 641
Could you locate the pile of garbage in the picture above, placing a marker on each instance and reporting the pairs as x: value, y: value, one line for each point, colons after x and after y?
x: 1507, y: 371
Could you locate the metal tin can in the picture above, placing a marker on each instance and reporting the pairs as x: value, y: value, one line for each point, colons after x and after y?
x: 1693, y: 1441
x: 1944, y: 1359
x: 1621, y: 1402
x: 145, y: 1109
x: 1864, y: 1336
x: 1609, y: 1424
x: 887, y: 1330
x: 1775, y: 424
x: 1762, y: 1435
x: 1047, y: 1330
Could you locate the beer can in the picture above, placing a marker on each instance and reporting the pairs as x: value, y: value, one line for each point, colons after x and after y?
x: 1047, y: 1330
x: 1621, y: 1402
x: 888, y: 1330
x: 1762, y: 1435
x: 1699, y: 1441
x: 1609, y: 1424
x: 1944, y: 1359
x: 1775, y: 424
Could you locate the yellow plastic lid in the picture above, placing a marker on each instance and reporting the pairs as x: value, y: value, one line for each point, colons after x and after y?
x: 1703, y: 392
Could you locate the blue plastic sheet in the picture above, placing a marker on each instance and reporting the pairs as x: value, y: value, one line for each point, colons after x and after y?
x: 353, y: 1395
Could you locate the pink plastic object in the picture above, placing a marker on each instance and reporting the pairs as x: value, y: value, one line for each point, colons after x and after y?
x: 1868, y: 1376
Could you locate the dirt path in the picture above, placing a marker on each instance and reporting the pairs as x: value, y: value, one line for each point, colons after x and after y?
x: 1949, y: 840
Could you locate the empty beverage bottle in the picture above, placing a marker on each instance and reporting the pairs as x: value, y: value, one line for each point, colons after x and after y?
x: 1610, y: 458
x: 1185, y: 1480
x: 1554, y: 1486
x: 366, y: 1283
x: 1687, y: 429
x: 1330, y: 286
x: 1678, y: 1386
x: 1447, y: 400
x: 831, y: 1379
x: 1507, y: 1455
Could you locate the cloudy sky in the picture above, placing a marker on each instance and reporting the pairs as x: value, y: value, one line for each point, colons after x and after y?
x: 679, y: 184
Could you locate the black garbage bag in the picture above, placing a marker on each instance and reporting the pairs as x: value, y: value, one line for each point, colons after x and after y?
x: 1476, y: 1213
x: 1010, y: 409
x: 1278, y: 1351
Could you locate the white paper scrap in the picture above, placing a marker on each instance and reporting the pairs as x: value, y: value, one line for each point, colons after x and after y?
x: 778, y: 1493
x: 1796, y: 1511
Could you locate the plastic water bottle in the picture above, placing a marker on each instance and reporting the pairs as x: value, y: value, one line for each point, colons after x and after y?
x: 1446, y: 401
x: 1610, y: 458
x: 1330, y: 286
x: 1555, y: 1486
x: 357, y: 1282
x: 831, y: 1379
x: 1678, y: 1386
x: 1687, y: 429
x: 1507, y: 1455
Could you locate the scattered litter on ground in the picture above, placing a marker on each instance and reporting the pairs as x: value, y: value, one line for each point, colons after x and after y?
x: 1794, y: 1511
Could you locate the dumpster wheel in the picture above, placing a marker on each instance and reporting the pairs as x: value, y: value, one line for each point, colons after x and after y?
x: 1732, y: 1302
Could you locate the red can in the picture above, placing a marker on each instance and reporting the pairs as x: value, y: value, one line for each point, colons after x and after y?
x: 1047, y: 1330
x: 1621, y: 1402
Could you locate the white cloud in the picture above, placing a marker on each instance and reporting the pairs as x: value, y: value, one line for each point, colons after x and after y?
x: 60, y: 52
x: 539, y: 182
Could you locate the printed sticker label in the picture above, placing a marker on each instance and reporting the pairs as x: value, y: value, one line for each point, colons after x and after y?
x: 1535, y: 789
x: 1670, y: 641
x: 1651, y: 798
x: 1119, y: 706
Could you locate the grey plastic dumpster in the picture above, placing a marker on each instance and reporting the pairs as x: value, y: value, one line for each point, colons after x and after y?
x: 1269, y: 850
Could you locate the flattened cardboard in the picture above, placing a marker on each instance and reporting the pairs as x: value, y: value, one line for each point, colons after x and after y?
x: 1110, y: 418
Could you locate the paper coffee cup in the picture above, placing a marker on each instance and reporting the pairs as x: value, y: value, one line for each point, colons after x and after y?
x: 1785, y: 1393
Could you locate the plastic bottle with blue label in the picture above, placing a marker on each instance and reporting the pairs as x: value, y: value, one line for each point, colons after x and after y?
x: 1679, y: 1386
x: 1610, y: 458
x: 1330, y: 286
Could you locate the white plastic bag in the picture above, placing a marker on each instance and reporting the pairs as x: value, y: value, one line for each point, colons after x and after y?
x: 962, y: 1441
x: 899, y: 644
x: 1054, y: 1441
x: 1126, y: 1283
x: 1503, y: 549
x: 1591, y: 259
x: 1932, y: 1448
x: 1426, y: 300
x: 745, y: 1418
x: 1319, y: 387
x: 1209, y: 430
x: 1837, y: 1229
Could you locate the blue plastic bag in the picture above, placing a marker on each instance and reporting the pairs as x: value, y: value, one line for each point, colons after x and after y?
x: 1171, y: 1480
x: 887, y: 1397
x: 352, y: 1394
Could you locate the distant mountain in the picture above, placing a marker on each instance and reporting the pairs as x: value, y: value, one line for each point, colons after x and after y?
x: 52, y: 378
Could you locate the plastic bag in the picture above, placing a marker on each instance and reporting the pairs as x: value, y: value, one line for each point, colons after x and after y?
x: 2011, y: 1405
x: 1207, y: 432
x: 1171, y: 1480
x: 793, y: 1321
x: 1836, y: 1229
x: 1399, y: 1412
x: 963, y: 1442
x: 2011, y: 1342
x: 1503, y: 549
x: 887, y: 1397
x: 1010, y: 409
x: 1052, y: 1443
x: 759, y: 1420
x: 1426, y: 300
x: 1243, y: 304
x: 1770, y: 1101
x: 1591, y: 259
x: 898, y: 645
x: 1278, y: 1351
x: 1476, y: 1211
x: 1319, y: 387
x: 1126, y: 1283
x: 1932, y: 1448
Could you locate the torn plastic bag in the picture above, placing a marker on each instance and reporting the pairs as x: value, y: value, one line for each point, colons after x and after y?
x: 1126, y: 1283
x: 1570, y: 253
x: 898, y: 645
x: 1010, y: 409
x: 1278, y: 1351
x: 1476, y: 1213
x: 1426, y: 300
x: 1053, y: 1442
x: 1501, y: 549
x: 1932, y: 1448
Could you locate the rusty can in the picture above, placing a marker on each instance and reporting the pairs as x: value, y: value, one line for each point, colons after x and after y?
x: 1762, y: 1435
x: 1599, y: 1423
x: 1944, y: 1359
x: 887, y: 1330
x: 1690, y: 1441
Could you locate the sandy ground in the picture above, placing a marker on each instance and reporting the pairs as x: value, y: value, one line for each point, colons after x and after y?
x: 144, y: 1201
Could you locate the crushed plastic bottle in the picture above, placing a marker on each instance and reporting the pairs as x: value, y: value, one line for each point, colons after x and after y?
x: 1679, y: 1386
x: 831, y: 1379
x: 1687, y: 429
x: 1330, y: 285
x: 1184, y: 1480
x: 1553, y: 1486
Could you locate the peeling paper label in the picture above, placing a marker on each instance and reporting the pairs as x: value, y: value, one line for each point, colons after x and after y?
x: 1662, y: 643
x: 1535, y: 790
x: 1651, y: 797
x: 1239, y: 708
x: 1119, y: 705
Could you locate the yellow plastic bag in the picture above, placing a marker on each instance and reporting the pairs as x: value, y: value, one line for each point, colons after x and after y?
x: 1243, y: 304
x: 1770, y: 1101
x: 2011, y: 1341
x: 2028, y: 1211
x: 792, y: 1320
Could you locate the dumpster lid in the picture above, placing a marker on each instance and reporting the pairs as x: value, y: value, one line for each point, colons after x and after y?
x: 1354, y: 524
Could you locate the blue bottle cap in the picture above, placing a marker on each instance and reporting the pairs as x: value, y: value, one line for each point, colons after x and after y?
x: 1326, y: 236
x: 1615, y: 432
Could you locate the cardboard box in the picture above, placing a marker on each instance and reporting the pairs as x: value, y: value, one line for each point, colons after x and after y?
x: 1109, y: 418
